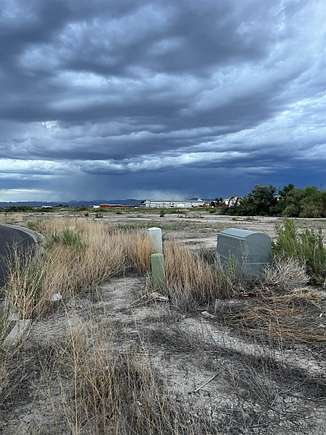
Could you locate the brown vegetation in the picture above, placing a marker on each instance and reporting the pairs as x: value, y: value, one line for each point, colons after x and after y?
x: 119, y: 392
x: 293, y: 317
x: 192, y: 280
x: 77, y: 255
x: 106, y: 386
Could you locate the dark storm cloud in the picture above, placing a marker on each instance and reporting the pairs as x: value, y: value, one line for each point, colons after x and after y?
x: 166, y: 94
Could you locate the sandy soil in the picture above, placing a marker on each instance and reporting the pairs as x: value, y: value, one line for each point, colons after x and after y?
x: 187, y: 350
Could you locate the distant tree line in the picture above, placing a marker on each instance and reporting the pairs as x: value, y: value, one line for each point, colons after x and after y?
x: 290, y: 201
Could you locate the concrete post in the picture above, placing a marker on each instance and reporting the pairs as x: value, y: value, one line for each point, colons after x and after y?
x: 158, y: 271
x: 155, y: 235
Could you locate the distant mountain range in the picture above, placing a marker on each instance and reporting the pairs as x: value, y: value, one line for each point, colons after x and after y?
x: 81, y: 203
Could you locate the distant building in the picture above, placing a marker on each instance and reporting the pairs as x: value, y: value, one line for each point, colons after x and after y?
x: 232, y: 201
x: 110, y: 206
x: 173, y: 204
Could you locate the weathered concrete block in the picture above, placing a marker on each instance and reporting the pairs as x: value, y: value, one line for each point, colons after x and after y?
x: 158, y: 271
x: 155, y: 235
x: 249, y: 251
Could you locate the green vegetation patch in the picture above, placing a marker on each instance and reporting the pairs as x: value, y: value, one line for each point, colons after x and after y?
x: 290, y: 201
x: 67, y: 237
x: 306, y: 246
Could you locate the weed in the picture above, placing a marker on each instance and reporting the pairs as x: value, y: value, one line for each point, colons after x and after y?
x: 191, y: 280
x: 285, y: 274
x: 307, y: 247
x: 67, y: 237
x: 25, y: 283
x: 121, y: 393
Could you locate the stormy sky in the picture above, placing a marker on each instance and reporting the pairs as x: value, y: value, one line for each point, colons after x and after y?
x: 160, y: 98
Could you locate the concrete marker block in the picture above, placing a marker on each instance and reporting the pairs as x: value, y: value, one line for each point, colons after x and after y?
x: 155, y: 235
x: 158, y: 271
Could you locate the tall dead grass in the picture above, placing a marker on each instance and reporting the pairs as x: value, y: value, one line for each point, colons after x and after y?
x: 77, y: 255
x: 80, y: 254
x: 284, y: 275
x: 192, y: 280
x: 119, y: 392
x: 294, y: 317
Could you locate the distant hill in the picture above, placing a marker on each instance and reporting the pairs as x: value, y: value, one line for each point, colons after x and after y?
x: 77, y: 203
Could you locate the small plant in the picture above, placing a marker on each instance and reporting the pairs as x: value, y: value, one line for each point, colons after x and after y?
x: 32, y: 225
x: 3, y: 329
x: 25, y: 283
x: 67, y: 237
x: 285, y: 274
x: 307, y: 247
x: 121, y: 393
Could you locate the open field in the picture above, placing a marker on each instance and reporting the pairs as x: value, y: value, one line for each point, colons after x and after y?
x: 210, y: 355
x: 194, y: 228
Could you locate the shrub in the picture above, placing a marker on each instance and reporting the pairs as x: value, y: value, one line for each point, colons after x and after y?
x: 307, y: 247
x: 285, y: 274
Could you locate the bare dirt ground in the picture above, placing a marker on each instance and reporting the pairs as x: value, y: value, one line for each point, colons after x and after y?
x: 242, y: 385
x: 199, y: 229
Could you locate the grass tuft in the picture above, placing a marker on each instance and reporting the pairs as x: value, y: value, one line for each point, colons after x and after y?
x: 76, y: 257
x: 117, y: 392
x: 285, y: 274
x: 192, y: 280
x: 307, y: 247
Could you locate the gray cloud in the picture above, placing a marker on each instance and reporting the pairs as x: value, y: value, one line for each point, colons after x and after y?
x: 121, y: 98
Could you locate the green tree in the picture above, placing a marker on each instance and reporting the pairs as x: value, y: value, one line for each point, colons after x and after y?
x: 292, y: 202
x: 260, y: 201
x: 313, y: 203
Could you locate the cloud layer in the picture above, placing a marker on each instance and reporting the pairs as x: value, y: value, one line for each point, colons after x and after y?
x: 130, y: 98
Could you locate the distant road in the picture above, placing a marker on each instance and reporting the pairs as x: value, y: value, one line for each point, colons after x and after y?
x: 11, y: 238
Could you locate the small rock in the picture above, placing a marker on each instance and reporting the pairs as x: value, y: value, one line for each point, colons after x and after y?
x: 207, y: 315
x: 157, y: 297
x: 56, y: 297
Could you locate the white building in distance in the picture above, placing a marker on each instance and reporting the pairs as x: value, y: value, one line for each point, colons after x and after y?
x: 173, y: 204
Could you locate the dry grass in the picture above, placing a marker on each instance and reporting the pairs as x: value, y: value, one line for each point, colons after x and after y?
x: 3, y: 364
x: 285, y: 274
x: 119, y: 392
x: 77, y: 255
x: 80, y: 254
x: 293, y: 317
x: 192, y: 280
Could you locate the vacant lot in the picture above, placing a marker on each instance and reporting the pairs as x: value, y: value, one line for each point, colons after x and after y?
x: 207, y: 355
